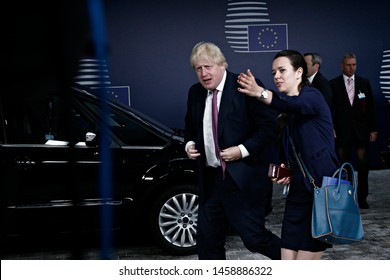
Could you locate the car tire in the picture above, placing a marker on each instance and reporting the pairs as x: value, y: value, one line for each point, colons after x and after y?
x: 173, y: 220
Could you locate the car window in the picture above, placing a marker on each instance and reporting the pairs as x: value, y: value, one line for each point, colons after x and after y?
x: 129, y: 129
x: 47, y: 119
x: 24, y: 120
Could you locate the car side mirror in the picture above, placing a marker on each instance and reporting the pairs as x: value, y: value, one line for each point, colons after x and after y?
x: 91, y: 139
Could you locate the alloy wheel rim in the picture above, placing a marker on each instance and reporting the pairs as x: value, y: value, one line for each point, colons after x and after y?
x: 178, y: 220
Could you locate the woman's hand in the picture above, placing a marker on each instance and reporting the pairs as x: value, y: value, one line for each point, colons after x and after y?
x: 283, y: 181
x: 249, y: 86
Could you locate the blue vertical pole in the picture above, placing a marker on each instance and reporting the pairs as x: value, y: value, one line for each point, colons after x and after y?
x: 99, y: 42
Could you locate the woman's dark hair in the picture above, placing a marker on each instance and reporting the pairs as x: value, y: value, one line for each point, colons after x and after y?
x: 296, y: 60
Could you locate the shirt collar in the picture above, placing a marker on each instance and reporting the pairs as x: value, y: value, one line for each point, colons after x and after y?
x: 222, y: 83
x: 311, y: 78
x: 346, y: 78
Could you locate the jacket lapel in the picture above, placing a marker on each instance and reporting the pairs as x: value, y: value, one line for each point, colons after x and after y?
x: 229, y: 92
x: 342, y: 86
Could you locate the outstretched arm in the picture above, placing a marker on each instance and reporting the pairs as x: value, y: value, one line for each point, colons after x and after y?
x: 249, y: 86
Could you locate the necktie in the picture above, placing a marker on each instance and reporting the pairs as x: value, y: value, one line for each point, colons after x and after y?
x: 214, y: 108
x: 350, y: 90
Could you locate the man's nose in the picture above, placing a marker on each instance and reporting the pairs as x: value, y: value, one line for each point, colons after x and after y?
x: 203, y: 72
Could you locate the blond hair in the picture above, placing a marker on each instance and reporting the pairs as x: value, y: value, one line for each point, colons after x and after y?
x: 208, y: 50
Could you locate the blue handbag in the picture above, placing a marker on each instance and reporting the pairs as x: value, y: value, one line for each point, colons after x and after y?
x: 336, y: 217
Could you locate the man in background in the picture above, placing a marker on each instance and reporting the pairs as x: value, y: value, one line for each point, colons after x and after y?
x: 354, y: 121
x: 316, y: 78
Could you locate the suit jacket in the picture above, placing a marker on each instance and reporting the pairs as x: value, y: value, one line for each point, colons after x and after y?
x: 311, y: 128
x: 321, y: 83
x: 241, y: 120
x: 359, y: 119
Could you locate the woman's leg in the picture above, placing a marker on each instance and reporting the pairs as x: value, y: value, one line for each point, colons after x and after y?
x: 306, y: 255
x: 288, y: 254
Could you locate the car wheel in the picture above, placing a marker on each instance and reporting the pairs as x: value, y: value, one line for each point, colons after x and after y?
x: 173, y: 220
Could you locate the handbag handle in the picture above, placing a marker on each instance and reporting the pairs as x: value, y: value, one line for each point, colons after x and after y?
x: 338, y: 170
x: 342, y: 167
x: 353, y: 181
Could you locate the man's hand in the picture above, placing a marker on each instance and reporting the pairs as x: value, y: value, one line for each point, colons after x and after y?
x: 192, y: 153
x: 230, y: 154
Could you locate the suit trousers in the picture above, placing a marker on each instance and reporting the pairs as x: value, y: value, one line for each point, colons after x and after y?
x: 225, y: 207
x: 346, y: 152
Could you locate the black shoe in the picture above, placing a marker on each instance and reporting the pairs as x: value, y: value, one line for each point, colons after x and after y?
x: 364, y: 205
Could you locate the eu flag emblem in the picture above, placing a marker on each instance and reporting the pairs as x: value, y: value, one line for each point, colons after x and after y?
x: 120, y: 93
x: 267, y: 37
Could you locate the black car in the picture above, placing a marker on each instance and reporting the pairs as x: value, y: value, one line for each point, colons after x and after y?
x: 132, y: 168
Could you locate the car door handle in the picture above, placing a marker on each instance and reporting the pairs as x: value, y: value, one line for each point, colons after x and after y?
x: 25, y: 163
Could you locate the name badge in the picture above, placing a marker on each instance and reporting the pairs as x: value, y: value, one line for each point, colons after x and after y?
x: 361, y: 95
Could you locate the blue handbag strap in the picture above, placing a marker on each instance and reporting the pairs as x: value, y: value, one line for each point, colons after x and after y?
x: 307, y: 174
x: 302, y: 165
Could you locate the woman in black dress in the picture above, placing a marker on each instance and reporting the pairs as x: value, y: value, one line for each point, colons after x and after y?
x: 309, y: 126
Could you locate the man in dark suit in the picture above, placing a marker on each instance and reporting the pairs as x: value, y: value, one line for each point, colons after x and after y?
x: 233, y: 182
x: 316, y: 78
x: 354, y: 121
